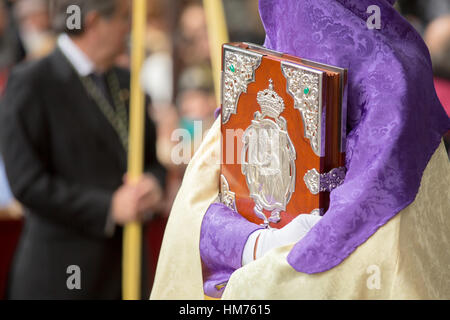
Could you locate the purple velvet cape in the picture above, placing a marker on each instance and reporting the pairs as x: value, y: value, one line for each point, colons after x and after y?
x: 395, y: 123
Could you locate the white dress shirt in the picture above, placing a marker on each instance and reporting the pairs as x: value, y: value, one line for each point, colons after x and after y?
x: 77, y: 58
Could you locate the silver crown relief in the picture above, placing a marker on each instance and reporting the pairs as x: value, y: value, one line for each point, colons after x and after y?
x: 271, y: 103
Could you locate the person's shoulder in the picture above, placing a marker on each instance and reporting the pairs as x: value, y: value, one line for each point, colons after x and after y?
x: 25, y: 85
x: 30, y: 72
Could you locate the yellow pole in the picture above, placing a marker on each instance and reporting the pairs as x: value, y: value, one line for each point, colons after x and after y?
x: 132, y: 237
x: 218, y: 35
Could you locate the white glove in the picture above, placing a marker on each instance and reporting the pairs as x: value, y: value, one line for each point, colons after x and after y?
x: 273, y: 238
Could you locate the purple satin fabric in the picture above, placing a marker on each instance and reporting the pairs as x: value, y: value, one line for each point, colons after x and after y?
x: 395, y: 120
x: 223, y: 235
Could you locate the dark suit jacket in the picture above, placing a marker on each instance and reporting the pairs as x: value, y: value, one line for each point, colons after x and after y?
x: 64, y: 161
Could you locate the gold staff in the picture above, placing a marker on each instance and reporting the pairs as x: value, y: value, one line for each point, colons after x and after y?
x: 132, y: 237
x: 218, y: 35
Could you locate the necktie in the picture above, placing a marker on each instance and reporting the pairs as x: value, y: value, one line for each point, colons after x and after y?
x: 105, y: 93
x: 102, y: 84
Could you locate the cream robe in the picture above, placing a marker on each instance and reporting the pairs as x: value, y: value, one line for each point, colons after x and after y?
x: 407, y: 258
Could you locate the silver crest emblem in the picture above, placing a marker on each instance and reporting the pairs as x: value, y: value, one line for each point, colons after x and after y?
x: 227, y: 197
x: 268, y: 158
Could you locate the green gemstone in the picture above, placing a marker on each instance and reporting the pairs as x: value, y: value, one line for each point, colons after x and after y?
x: 232, y: 68
x: 306, y: 91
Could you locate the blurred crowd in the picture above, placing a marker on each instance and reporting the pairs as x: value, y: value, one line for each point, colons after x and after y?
x: 431, y: 18
x: 176, y: 76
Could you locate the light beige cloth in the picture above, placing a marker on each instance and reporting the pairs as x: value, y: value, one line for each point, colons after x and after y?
x: 407, y: 258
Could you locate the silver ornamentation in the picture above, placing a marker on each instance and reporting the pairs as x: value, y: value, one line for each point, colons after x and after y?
x: 305, y: 86
x: 329, y: 181
x: 268, y: 158
x: 343, y: 96
x: 239, y: 71
x: 312, y: 181
x: 227, y: 197
x: 317, y: 212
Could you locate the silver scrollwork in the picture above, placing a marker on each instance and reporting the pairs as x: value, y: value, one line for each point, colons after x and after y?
x: 238, y: 72
x: 227, y: 197
x: 312, y: 181
x: 305, y: 86
x: 328, y: 181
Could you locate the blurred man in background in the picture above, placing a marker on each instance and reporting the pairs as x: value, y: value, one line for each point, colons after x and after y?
x: 64, y: 137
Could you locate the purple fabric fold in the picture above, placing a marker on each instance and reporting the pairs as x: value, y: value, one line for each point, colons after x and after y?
x: 395, y: 120
x: 222, y: 239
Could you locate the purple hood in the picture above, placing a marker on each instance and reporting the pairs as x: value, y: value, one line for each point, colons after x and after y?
x: 395, y: 120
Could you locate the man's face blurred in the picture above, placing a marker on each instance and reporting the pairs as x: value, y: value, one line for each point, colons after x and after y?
x: 112, y: 32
